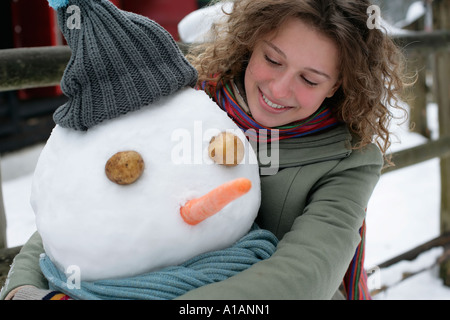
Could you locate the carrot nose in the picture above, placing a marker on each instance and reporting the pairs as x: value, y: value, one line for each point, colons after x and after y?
x: 199, y: 209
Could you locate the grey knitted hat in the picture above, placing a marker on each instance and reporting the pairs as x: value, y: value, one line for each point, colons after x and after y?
x: 120, y: 62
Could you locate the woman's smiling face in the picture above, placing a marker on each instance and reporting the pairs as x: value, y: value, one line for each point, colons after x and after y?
x: 290, y: 73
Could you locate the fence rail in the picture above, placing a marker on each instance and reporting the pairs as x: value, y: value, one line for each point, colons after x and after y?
x: 439, y: 148
x: 423, y: 40
x: 24, y: 68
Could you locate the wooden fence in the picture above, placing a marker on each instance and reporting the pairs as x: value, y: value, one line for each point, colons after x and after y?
x: 39, y: 67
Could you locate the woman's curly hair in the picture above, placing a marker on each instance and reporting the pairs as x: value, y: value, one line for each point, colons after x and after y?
x: 371, y: 65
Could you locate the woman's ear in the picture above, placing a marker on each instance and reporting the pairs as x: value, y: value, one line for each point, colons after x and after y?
x: 334, y: 88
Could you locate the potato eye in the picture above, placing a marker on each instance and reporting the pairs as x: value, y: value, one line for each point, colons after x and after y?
x: 226, y: 149
x: 124, y: 167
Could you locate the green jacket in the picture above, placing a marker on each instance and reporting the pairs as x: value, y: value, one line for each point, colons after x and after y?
x: 315, y: 204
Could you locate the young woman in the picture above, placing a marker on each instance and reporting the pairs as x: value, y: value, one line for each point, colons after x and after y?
x: 321, y: 83
x: 316, y: 75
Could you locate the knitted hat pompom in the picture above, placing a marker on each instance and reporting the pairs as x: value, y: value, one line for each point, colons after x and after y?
x: 55, y: 4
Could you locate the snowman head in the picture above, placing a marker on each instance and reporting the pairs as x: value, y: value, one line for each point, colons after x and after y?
x: 133, y: 178
x: 145, y: 190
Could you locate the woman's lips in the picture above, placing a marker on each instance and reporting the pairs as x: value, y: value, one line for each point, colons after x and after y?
x: 271, y: 106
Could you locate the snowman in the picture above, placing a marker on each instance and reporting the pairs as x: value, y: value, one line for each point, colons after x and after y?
x: 141, y: 172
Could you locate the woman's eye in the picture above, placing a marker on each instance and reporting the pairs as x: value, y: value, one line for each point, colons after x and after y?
x: 310, y: 83
x: 271, y: 61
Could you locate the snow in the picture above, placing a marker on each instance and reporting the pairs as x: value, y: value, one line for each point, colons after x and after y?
x: 194, y: 27
x: 415, y: 11
x: 402, y: 216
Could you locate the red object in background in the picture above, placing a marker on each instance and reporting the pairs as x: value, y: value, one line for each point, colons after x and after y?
x: 167, y: 13
x: 34, y: 25
x: 117, y: 3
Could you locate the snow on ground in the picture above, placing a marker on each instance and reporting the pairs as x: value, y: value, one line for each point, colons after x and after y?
x: 403, y: 213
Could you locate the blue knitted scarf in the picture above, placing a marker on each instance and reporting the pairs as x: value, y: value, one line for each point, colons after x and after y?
x: 174, y: 281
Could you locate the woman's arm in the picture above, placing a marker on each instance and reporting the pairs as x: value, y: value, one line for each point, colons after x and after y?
x: 25, y: 269
x: 312, y: 258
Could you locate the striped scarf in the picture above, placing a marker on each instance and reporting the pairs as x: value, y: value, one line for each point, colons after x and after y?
x: 227, y: 101
x: 355, y: 280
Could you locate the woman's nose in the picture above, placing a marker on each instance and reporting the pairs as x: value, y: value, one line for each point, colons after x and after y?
x: 281, y: 86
